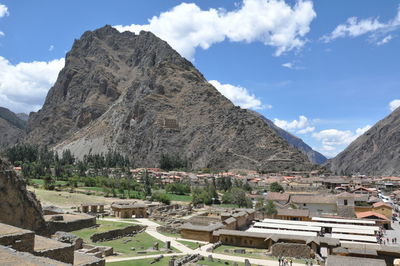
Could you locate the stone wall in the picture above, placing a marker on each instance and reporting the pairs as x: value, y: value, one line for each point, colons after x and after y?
x: 65, y: 254
x: 292, y: 250
x: 196, y: 235
x: 65, y: 237
x: 117, y: 233
x: 69, y: 226
x: 21, y: 242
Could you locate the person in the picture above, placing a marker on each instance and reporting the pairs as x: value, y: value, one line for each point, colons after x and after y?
x: 311, y: 263
x: 290, y: 262
x: 279, y: 260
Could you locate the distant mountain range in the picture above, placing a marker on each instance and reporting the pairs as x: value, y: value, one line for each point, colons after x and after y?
x: 12, y: 128
x: 376, y: 152
x: 314, y: 156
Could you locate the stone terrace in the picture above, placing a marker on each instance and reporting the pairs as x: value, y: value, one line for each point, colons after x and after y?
x: 10, y: 257
x: 17, y: 238
x: 53, y: 249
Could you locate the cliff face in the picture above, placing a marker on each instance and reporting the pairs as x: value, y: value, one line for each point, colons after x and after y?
x: 376, y: 152
x: 12, y: 128
x: 135, y: 94
x: 314, y: 156
x: 18, y: 206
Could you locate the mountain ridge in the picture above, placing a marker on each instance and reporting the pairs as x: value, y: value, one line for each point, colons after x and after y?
x: 135, y: 94
x: 313, y: 156
x: 376, y: 152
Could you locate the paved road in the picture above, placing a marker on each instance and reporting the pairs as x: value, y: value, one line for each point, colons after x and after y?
x: 152, y: 230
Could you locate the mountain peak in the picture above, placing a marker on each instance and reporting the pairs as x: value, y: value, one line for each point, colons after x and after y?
x: 135, y: 94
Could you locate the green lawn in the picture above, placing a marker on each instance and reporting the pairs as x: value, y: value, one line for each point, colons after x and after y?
x: 189, y: 244
x: 165, y: 260
x: 162, y: 262
x: 250, y: 253
x: 170, y: 235
x: 96, y: 189
x: 175, y: 197
x: 40, y: 182
x: 141, y: 242
x: 104, y: 226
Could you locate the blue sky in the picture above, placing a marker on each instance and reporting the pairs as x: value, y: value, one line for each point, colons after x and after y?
x: 310, y: 66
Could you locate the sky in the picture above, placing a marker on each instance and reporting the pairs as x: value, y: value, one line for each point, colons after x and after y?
x: 325, y: 71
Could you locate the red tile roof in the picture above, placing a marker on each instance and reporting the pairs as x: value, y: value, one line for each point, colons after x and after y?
x: 362, y: 215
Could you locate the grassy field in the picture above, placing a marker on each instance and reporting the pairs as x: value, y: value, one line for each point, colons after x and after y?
x: 250, y: 253
x: 140, y: 242
x: 175, y: 197
x: 65, y: 199
x: 40, y: 182
x: 170, y: 235
x: 164, y: 262
x: 104, y: 226
x: 189, y: 244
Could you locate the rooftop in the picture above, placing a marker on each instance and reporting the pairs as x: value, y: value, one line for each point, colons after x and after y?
x: 278, y: 196
x: 205, y: 228
x: 324, y: 199
x: 381, y: 204
x: 293, y: 212
x: 361, y: 215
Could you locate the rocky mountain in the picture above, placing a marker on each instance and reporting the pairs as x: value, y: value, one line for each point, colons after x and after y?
x: 23, y: 116
x: 12, y: 128
x: 18, y: 206
x: 133, y: 93
x: 298, y: 143
x: 376, y: 152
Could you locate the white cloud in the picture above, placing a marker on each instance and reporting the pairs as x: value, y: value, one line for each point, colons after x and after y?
x: 292, y: 65
x: 306, y: 130
x: 334, y: 140
x: 355, y: 27
x: 385, y: 40
x: 3, y: 11
x: 239, y: 96
x: 288, y: 65
x: 24, y: 86
x: 272, y: 22
x: 1, y: 34
x: 51, y: 48
x: 393, y: 105
x: 301, y: 126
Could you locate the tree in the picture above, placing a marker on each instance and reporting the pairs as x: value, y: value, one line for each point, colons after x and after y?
x: 170, y: 162
x: 147, y: 184
x: 275, y: 187
x: 270, y: 208
x: 49, y: 183
x: 260, y: 204
x: 161, y: 197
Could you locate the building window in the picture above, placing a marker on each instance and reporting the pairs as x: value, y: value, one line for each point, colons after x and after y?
x: 345, y: 202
